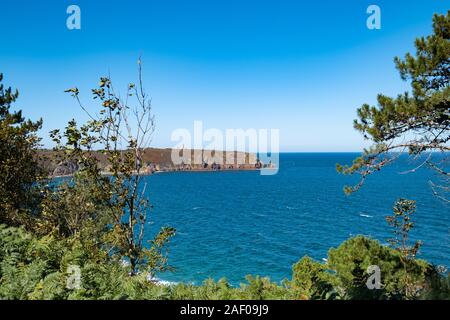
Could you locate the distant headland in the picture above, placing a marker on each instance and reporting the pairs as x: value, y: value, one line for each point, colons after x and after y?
x: 157, y: 160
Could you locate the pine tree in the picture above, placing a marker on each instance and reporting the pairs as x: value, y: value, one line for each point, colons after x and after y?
x: 417, y: 122
x: 19, y: 171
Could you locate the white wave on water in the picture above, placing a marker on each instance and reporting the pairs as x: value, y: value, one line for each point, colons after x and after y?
x: 155, y: 280
x: 365, y: 215
x: 160, y: 282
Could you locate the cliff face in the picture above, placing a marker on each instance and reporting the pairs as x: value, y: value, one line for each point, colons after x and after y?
x: 65, y: 168
x: 155, y: 160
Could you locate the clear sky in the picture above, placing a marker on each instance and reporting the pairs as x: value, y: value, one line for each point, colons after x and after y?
x: 299, y: 66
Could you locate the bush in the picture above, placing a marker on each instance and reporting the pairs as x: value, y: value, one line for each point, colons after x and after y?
x: 352, y: 258
x: 311, y: 280
x: 35, y: 267
x: 19, y: 171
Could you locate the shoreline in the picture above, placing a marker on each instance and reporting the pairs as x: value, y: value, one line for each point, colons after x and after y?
x: 105, y: 173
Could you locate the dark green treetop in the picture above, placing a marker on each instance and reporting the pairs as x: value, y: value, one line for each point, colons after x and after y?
x: 18, y: 161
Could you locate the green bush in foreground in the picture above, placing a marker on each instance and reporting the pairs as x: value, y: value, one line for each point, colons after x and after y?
x: 33, y: 267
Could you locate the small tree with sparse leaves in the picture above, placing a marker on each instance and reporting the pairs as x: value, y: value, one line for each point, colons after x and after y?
x: 121, y: 132
x: 401, y: 223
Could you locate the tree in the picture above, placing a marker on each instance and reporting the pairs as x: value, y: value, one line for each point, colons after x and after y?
x: 401, y: 223
x: 19, y: 171
x: 75, y: 208
x: 310, y: 280
x: 121, y: 132
x: 416, y: 122
x: 350, y: 262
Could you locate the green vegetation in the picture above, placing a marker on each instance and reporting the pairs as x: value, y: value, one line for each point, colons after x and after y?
x: 18, y: 144
x: 34, y: 267
x: 96, y: 223
x: 125, y: 208
x: 416, y: 122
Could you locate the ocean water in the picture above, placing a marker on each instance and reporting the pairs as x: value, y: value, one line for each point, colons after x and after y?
x: 230, y: 224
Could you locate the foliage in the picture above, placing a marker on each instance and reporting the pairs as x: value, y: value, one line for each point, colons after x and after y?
x: 35, y: 267
x: 122, y: 203
x: 437, y: 286
x: 352, y: 258
x: 19, y: 172
x: 417, y: 122
x: 75, y: 207
x: 402, y: 224
x: 311, y: 280
x: 25, y: 261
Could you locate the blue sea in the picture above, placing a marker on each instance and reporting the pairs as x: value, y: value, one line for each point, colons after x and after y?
x: 230, y: 224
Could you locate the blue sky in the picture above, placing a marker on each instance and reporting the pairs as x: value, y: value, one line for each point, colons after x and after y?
x: 299, y: 66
